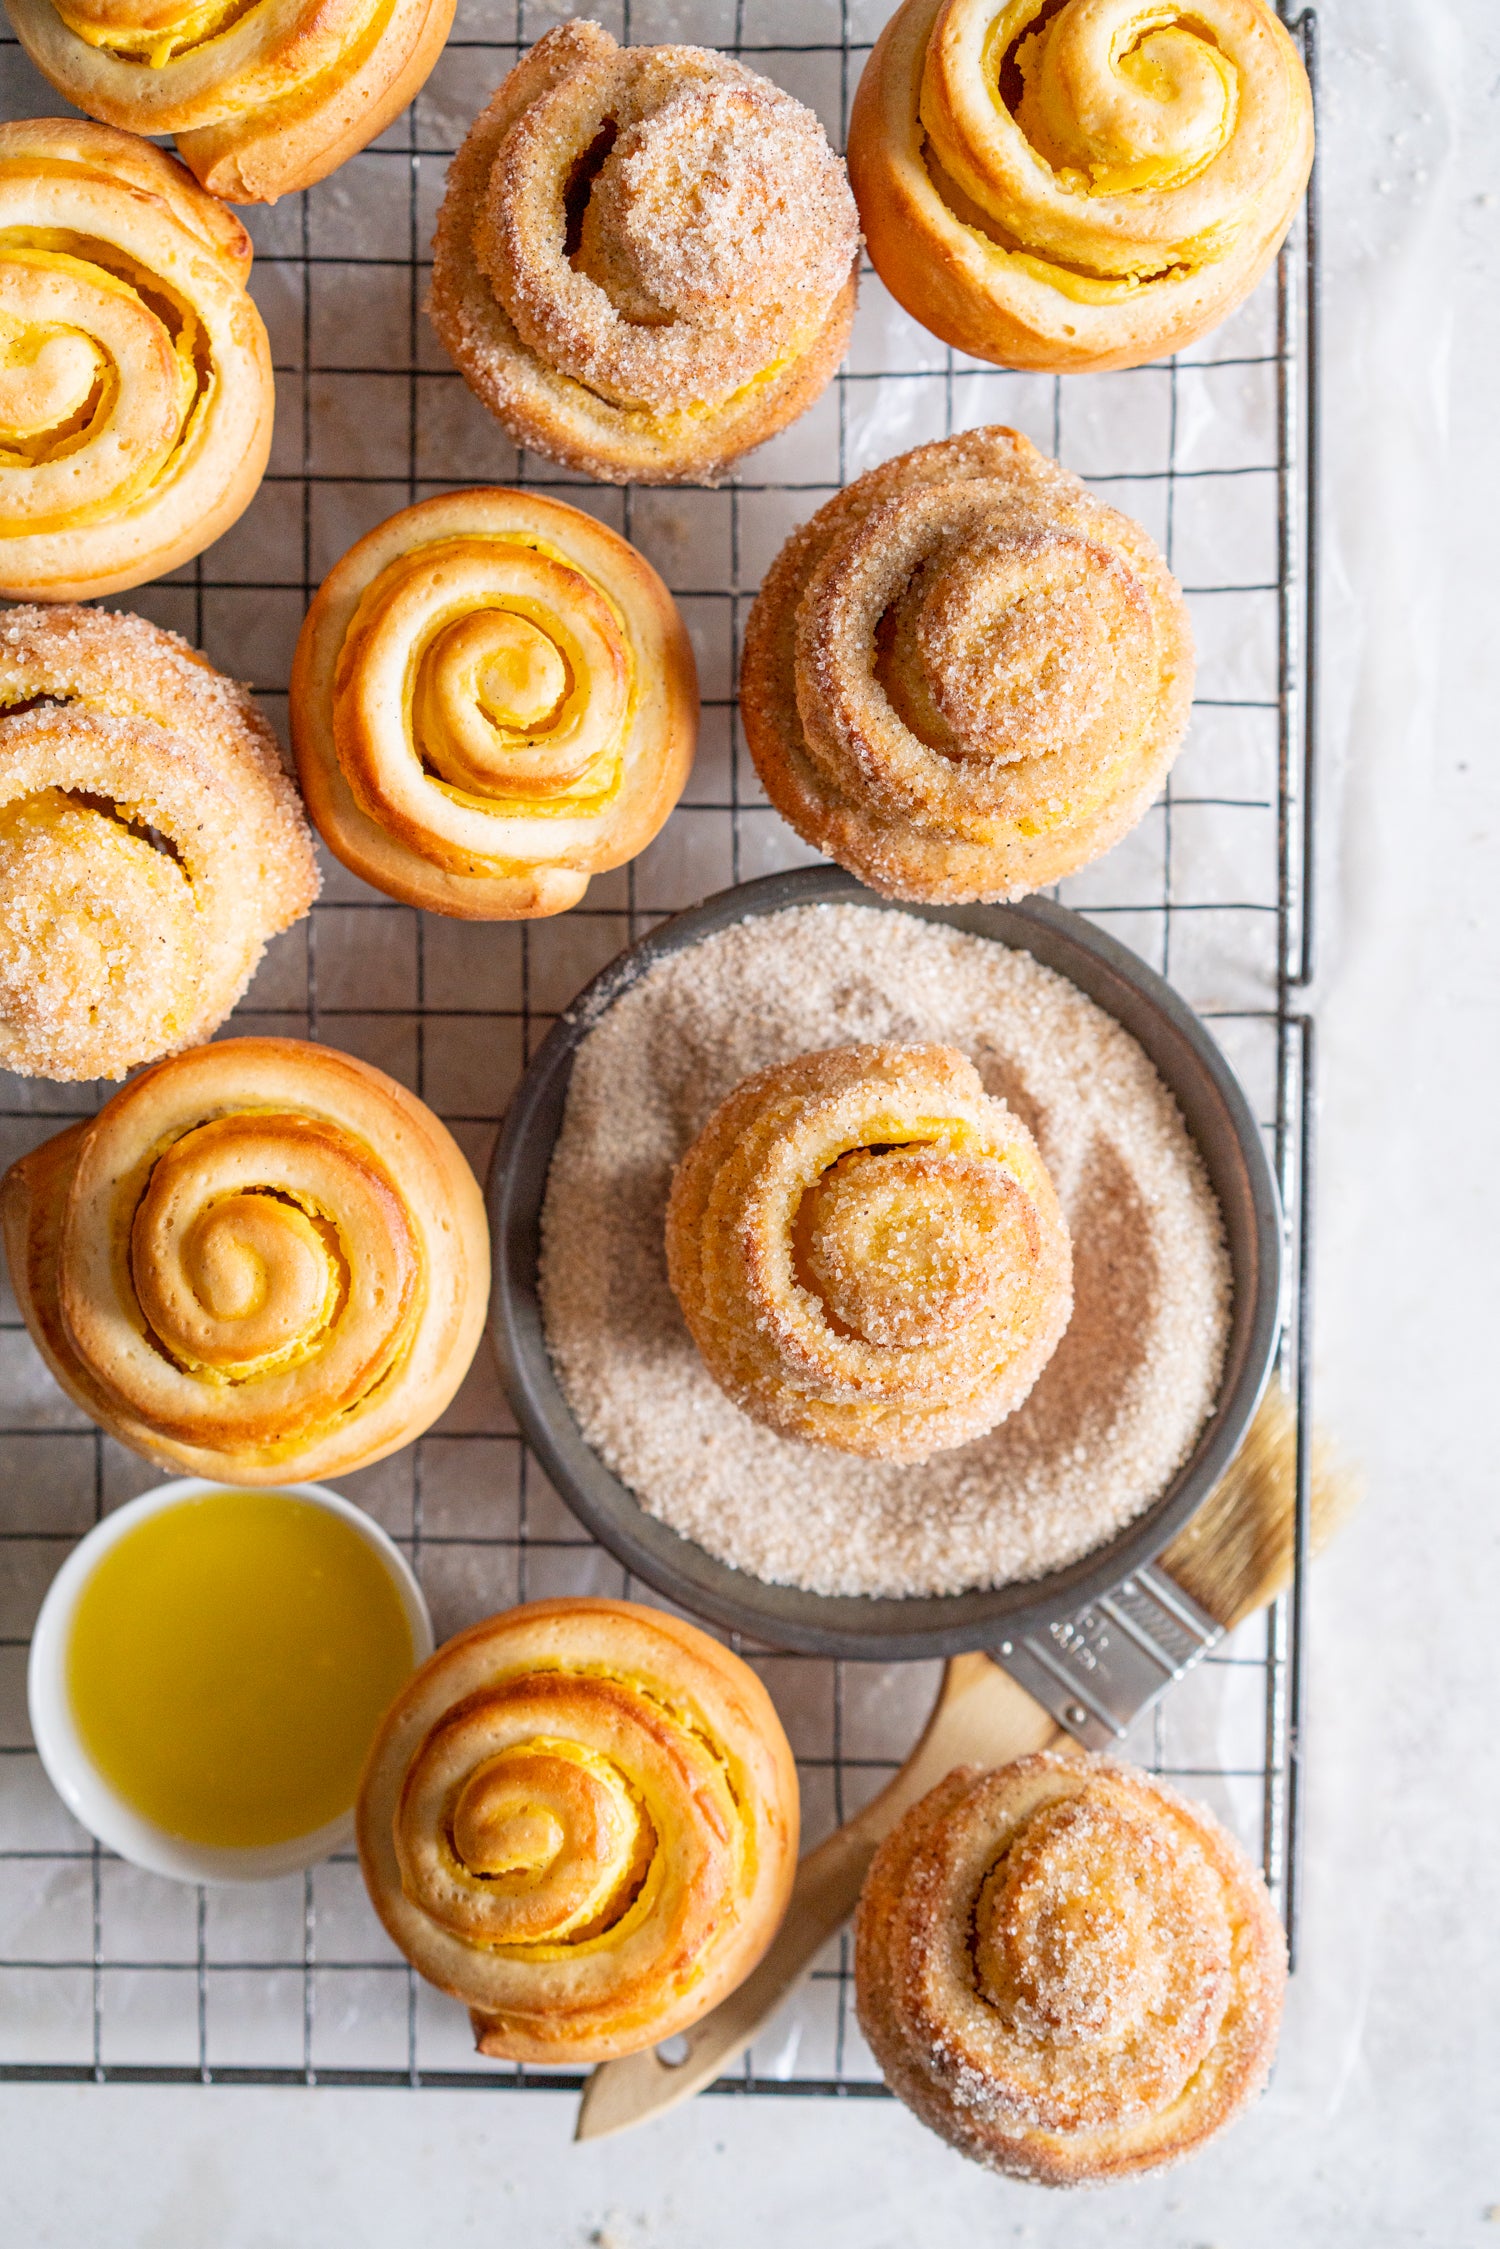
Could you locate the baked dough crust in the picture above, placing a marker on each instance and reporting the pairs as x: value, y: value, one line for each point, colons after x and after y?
x: 966, y: 677
x: 1067, y: 1970
x: 869, y: 1252
x: 263, y: 99
x: 1079, y: 187
x: 136, y: 396
x: 580, y: 1819
x: 493, y: 698
x: 150, y: 843
x: 261, y: 1260
x: 645, y: 260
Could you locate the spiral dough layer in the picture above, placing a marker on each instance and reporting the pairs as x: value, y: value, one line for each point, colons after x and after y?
x: 264, y: 96
x: 580, y: 1818
x: 135, y: 375
x: 149, y: 843
x: 966, y: 677
x: 1080, y: 185
x: 493, y: 698
x: 1067, y: 1970
x: 645, y: 260
x: 868, y: 1251
x: 260, y: 1260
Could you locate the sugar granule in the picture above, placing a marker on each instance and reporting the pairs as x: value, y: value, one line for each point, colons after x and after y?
x: 1115, y: 1412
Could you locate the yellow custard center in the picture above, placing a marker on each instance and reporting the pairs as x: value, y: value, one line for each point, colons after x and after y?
x: 229, y: 1661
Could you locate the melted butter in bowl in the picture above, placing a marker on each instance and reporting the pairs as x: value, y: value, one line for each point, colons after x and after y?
x: 210, y: 1668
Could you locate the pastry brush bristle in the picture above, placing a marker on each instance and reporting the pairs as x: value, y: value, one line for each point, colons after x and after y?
x: 1235, y: 1555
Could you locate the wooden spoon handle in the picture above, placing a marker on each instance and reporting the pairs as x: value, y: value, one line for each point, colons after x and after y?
x: 980, y: 1717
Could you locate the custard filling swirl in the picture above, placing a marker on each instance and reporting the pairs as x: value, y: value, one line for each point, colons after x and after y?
x: 1109, y: 141
x: 101, y: 375
x: 868, y: 1251
x: 481, y: 702
x: 570, y: 1814
x: 270, y: 1259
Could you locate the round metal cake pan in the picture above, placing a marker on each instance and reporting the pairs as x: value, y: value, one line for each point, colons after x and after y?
x: 861, y: 1626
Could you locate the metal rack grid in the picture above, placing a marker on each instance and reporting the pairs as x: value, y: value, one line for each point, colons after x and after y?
x: 107, y: 1974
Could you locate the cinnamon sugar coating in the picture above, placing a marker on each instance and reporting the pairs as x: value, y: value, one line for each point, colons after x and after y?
x: 1067, y: 1970
x: 150, y: 843
x: 965, y: 677
x: 869, y: 1252
x: 644, y: 263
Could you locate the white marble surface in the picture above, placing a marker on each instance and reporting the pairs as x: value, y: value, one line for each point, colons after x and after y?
x: 1383, y: 2126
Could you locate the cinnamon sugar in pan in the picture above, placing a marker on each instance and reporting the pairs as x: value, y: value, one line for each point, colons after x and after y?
x: 1114, y: 1414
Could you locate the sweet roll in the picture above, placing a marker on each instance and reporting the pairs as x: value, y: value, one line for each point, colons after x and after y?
x: 1067, y: 1970
x: 493, y: 698
x: 868, y: 1251
x: 261, y: 1260
x: 135, y: 375
x: 645, y: 260
x: 580, y: 1819
x: 150, y: 843
x: 1078, y: 184
x: 264, y: 96
x: 966, y: 677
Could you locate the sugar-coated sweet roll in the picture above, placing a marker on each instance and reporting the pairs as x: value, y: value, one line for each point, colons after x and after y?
x: 1067, y: 1970
x: 580, y: 1819
x: 262, y: 1260
x: 645, y: 260
x: 150, y: 843
x: 264, y: 96
x: 493, y: 698
x: 966, y: 677
x: 1077, y: 184
x: 136, y: 397
x: 869, y: 1252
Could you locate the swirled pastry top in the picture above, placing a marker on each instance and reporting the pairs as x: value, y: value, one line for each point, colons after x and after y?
x: 261, y: 1259
x: 1085, y: 184
x: 149, y: 843
x: 580, y: 1818
x: 869, y: 1252
x: 135, y: 375
x: 493, y: 698
x: 264, y: 96
x: 966, y: 677
x: 1068, y: 1970
x: 645, y: 260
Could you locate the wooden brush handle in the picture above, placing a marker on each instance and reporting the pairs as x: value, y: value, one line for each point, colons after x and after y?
x: 980, y: 1717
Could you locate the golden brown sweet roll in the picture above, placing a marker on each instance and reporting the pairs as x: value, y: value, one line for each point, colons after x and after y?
x: 580, y: 1818
x: 135, y: 375
x: 868, y: 1251
x: 264, y: 96
x: 645, y: 260
x: 966, y: 677
x: 149, y: 843
x: 1067, y: 1970
x: 1075, y: 184
x: 261, y: 1260
x: 493, y: 698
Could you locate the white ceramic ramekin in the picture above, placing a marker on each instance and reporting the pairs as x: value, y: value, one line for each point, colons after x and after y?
x: 78, y: 1781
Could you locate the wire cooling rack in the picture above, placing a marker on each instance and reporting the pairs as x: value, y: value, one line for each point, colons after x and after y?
x: 111, y: 1974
